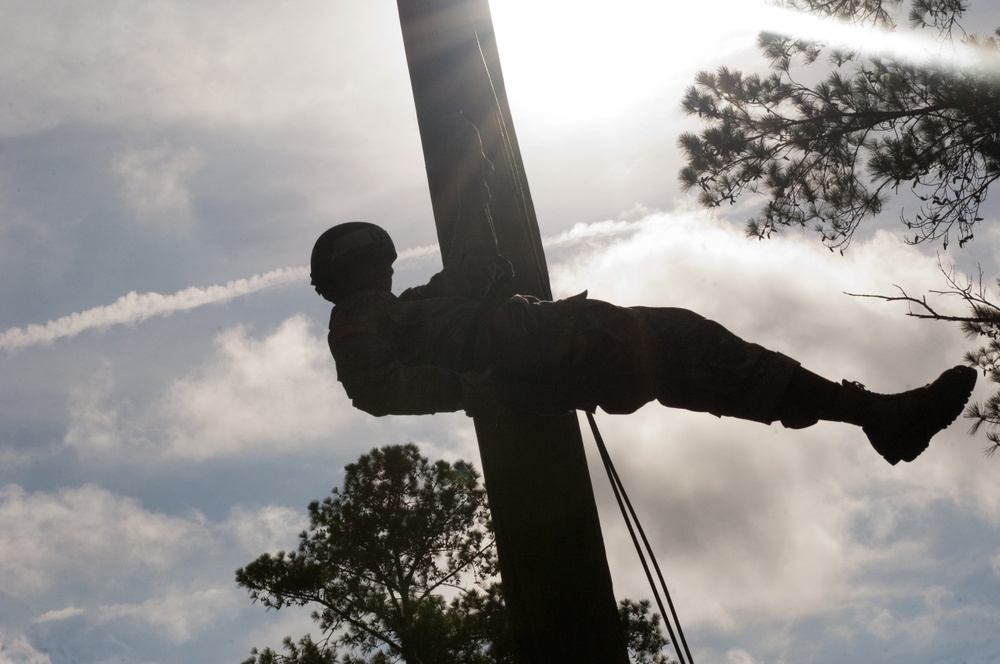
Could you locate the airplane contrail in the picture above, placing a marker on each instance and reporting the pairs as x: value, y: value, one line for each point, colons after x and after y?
x: 137, y: 307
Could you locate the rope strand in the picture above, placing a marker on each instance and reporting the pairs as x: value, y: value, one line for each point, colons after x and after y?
x: 628, y: 512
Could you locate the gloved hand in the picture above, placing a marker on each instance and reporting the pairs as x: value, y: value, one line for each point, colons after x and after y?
x: 481, y: 396
x: 464, y: 150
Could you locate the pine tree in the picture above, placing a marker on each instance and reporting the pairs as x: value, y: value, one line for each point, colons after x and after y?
x: 378, y: 558
x: 826, y: 142
x: 828, y: 155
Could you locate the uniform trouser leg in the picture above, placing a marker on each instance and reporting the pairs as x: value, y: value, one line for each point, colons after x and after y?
x: 586, y: 353
x: 590, y: 353
x: 702, y: 366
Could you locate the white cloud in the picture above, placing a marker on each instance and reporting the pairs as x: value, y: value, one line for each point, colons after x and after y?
x: 94, y: 424
x: 257, y: 393
x: 91, y: 556
x: 938, y: 611
x: 155, y: 182
x: 15, y: 649
x: 230, y: 63
x: 83, y: 536
x: 747, y: 524
x: 256, y: 396
x: 739, y: 656
x: 179, y: 614
x: 270, y: 529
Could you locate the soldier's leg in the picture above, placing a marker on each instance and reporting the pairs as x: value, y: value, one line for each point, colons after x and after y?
x: 697, y: 364
x: 702, y: 366
x: 899, y: 426
x: 588, y: 353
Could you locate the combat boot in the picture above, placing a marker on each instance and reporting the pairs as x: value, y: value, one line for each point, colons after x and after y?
x: 900, y: 426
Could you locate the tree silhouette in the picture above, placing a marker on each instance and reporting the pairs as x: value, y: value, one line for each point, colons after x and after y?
x: 379, y: 554
x: 828, y: 154
x: 378, y: 559
x: 827, y: 151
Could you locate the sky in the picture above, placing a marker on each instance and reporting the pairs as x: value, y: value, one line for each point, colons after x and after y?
x: 169, y: 408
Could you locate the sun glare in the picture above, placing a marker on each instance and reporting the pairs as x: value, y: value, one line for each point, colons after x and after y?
x: 575, y: 62
x: 570, y: 63
x: 903, y: 44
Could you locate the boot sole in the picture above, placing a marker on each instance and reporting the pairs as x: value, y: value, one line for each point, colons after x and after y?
x: 951, y: 391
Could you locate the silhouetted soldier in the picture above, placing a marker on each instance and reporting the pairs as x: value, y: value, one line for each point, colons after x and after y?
x: 464, y: 341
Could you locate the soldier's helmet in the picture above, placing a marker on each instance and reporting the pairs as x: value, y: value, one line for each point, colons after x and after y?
x: 340, y: 249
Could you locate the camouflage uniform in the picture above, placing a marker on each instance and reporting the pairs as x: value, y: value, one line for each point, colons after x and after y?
x: 414, y: 354
x: 457, y: 344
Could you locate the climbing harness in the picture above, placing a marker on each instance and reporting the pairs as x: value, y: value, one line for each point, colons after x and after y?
x: 632, y: 521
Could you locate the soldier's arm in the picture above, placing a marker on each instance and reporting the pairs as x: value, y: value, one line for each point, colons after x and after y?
x: 472, y: 260
x: 379, y: 384
x: 473, y: 244
x: 395, y: 389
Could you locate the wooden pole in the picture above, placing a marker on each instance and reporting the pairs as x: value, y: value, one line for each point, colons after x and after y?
x: 557, y: 586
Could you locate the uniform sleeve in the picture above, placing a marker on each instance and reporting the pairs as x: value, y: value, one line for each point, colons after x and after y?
x: 377, y: 382
x: 472, y: 260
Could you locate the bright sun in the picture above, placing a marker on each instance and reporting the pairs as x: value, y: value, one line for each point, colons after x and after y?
x: 573, y: 62
x: 579, y: 61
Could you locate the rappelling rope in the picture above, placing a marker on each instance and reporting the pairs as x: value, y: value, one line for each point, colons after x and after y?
x: 628, y: 512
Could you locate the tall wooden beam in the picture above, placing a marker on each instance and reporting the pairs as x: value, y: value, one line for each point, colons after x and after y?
x: 553, y: 564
